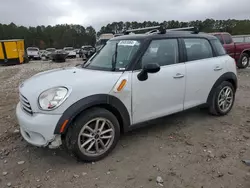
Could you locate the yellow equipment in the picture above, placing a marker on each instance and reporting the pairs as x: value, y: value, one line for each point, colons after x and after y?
x: 12, y: 52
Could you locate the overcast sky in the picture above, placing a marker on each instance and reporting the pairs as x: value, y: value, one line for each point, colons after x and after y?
x: 101, y: 12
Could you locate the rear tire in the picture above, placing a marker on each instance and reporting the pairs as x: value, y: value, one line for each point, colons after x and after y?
x: 243, y: 61
x: 93, y: 135
x: 223, y: 99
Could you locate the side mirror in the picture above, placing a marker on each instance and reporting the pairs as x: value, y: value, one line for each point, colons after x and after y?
x: 148, y: 68
x: 151, y: 68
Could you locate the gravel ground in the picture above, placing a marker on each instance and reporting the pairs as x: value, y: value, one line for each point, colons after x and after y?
x: 191, y: 149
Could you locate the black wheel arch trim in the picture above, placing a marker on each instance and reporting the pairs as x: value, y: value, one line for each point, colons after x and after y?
x: 224, y: 77
x: 245, y: 51
x: 95, y: 101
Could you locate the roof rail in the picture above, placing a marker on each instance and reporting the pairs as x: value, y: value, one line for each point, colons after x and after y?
x: 162, y: 30
x: 194, y: 30
x: 153, y: 29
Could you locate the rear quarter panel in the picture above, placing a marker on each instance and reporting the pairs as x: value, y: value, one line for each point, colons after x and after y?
x: 230, y: 64
x: 240, y: 48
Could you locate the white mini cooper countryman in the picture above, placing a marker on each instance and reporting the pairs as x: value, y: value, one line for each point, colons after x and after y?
x: 132, y: 79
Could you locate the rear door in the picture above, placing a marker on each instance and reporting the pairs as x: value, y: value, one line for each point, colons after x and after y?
x: 202, y: 70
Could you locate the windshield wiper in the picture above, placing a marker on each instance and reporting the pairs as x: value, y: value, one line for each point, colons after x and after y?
x: 114, y: 58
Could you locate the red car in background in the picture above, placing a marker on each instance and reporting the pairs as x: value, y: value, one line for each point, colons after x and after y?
x: 239, y: 51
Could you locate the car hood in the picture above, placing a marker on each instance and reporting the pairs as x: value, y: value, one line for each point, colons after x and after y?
x: 80, y: 82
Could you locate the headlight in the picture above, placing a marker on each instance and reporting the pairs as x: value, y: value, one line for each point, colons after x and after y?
x: 52, y: 98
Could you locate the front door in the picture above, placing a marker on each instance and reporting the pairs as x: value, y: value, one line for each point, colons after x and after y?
x: 163, y: 92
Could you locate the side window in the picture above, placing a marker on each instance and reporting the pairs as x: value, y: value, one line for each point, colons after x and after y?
x: 164, y: 52
x: 228, y: 39
x: 198, y: 48
x: 219, y: 49
x: 220, y: 38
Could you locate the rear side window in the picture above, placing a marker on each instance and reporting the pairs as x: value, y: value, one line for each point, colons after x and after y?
x: 219, y: 49
x: 228, y: 39
x: 197, y: 49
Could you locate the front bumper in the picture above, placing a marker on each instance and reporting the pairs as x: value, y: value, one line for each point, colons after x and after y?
x: 38, y: 129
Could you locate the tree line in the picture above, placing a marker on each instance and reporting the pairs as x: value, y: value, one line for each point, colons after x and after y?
x: 59, y: 36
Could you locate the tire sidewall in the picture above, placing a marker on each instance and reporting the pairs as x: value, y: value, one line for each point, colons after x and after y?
x: 240, y: 62
x: 217, y: 92
x: 72, y: 141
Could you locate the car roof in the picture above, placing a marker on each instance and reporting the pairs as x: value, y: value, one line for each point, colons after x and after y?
x: 174, y: 34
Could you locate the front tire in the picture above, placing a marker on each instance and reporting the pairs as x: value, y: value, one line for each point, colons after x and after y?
x: 243, y: 61
x: 223, y: 99
x: 93, y: 135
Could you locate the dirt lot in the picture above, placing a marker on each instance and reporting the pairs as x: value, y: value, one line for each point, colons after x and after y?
x: 190, y: 149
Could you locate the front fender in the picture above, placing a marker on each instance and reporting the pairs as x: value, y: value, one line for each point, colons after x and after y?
x: 93, y: 101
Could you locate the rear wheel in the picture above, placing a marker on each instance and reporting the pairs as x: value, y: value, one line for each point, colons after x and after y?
x: 223, y: 99
x: 243, y: 61
x: 93, y: 135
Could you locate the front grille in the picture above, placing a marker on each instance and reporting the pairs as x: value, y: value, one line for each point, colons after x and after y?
x: 25, y: 104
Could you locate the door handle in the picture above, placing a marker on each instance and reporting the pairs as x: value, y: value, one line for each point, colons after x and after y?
x: 178, y: 75
x: 217, y: 68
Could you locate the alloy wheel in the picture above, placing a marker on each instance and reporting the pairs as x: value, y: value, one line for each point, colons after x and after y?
x: 225, y: 99
x: 96, y: 137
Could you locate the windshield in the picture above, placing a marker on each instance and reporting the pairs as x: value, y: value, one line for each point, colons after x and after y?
x: 104, y: 59
x: 32, y: 49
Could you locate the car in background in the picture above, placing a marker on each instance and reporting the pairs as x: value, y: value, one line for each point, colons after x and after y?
x: 33, y: 53
x: 43, y: 54
x: 240, y: 51
x: 77, y: 51
x: 49, y: 51
x: 59, y: 55
x: 70, y: 51
x: 102, y: 40
x: 87, y: 50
